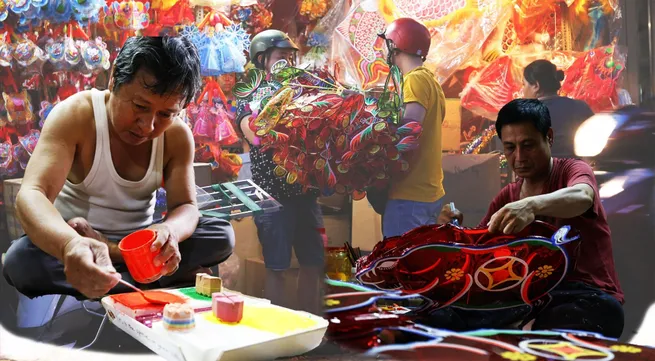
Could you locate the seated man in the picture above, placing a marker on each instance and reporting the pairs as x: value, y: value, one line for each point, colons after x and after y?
x: 94, y: 174
x: 560, y: 192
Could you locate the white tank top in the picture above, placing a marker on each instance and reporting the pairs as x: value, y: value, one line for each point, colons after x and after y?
x: 112, y: 205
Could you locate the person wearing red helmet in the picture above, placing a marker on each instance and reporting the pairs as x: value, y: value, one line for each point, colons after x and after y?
x: 415, y: 198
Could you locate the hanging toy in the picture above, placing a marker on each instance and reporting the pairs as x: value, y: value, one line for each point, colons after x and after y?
x: 131, y: 15
x: 55, y: 50
x: 19, y: 6
x: 26, y: 52
x: 32, y: 17
x: 95, y: 54
x: 314, y: 9
x: 46, y: 107
x: 87, y: 10
x: 67, y: 87
x: 4, y: 10
x: 224, y: 134
x: 6, y: 51
x: 71, y: 52
x: 59, y: 11
x: 8, y: 167
x: 204, y: 123
x: 19, y: 107
x: 22, y: 151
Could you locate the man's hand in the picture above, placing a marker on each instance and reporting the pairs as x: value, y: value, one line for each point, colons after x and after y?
x: 88, y: 267
x: 447, y: 215
x: 512, y: 218
x: 84, y: 229
x: 167, y: 240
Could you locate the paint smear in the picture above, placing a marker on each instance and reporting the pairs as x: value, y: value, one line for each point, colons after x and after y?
x: 135, y: 300
x: 191, y: 293
x: 268, y: 319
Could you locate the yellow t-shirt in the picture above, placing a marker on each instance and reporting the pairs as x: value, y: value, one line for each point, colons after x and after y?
x: 424, y: 182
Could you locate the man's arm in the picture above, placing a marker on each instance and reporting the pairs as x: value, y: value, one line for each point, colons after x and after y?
x: 576, y: 199
x: 565, y: 203
x: 179, y: 181
x: 414, y: 111
x: 244, y: 124
x: 46, y: 173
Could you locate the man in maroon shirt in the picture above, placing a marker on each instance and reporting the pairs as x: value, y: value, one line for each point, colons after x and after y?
x: 560, y: 192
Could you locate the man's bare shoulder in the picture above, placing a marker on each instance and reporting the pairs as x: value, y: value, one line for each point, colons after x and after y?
x: 177, y: 138
x: 75, y: 114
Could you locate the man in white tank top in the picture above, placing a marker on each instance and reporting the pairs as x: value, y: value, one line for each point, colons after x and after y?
x: 94, y: 174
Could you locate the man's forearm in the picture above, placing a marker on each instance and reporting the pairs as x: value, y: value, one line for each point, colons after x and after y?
x: 42, y: 223
x: 183, y: 220
x: 565, y: 203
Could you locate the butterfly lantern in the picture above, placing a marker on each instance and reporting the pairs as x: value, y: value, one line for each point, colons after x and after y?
x: 323, y: 135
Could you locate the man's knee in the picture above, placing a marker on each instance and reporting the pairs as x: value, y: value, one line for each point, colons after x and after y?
x: 16, y: 267
x: 218, y: 235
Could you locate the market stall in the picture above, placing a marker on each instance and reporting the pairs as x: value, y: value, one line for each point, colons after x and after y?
x: 331, y: 120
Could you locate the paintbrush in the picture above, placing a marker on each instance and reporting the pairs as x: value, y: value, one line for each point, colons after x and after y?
x: 351, y: 254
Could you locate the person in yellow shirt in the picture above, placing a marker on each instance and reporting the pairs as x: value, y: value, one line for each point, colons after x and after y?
x: 415, y: 198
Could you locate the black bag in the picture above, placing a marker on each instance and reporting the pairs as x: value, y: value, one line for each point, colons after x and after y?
x: 378, y: 199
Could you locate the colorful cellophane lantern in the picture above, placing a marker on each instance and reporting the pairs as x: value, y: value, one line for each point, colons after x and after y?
x: 497, y: 83
x: 325, y: 138
x: 458, y: 27
x: 593, y: 76
x: 358, y: 50
x: 471, y: 268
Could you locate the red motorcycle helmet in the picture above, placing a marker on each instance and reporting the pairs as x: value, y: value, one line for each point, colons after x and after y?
x: 409, y: 36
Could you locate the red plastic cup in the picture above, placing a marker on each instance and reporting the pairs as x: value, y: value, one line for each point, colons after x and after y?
x: 135, y: 249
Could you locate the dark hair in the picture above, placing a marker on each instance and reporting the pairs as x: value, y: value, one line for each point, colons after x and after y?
x: 546, y: 74
x: 172, y: 61
x: 524, y: 111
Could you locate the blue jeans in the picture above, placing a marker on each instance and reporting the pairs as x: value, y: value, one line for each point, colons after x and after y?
x: 295, y: 226
x: 401, y: 216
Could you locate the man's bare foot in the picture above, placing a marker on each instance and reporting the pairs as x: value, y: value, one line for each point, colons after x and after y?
x: 83, y: 228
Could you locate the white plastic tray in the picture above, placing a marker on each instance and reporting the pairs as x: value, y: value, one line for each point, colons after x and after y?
x: 212, y: 342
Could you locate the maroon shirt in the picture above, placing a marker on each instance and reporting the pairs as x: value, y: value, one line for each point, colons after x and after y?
x: 595, y: 263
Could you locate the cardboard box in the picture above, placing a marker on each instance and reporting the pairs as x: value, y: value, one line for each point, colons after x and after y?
x: 366, y: 225
x: 451, y: 128
x: 471, y: 181
x: 246, y: 246
x: 203, y: 173
x: 255, y: 275
x: 337, y: 229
